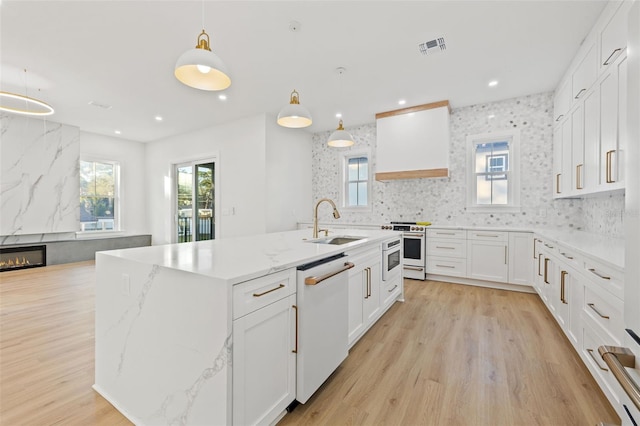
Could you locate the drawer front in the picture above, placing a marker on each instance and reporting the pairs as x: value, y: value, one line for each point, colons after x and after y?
x: 606, y: 277
x: 257, y: 293
x: 606, y: 311
x: 591, y: 341
x: 488, y: 236
x: 446, y: 247
x: 391, y: 290
x: 446, y: 266
x: 458, y: 234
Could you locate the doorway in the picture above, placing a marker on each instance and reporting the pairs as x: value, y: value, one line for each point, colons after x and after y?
x: 195, y: 201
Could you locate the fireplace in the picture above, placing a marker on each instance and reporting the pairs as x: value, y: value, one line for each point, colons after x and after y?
x: 13, y: 258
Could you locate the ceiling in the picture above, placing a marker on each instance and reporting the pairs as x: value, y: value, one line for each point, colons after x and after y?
x: 122, y: 54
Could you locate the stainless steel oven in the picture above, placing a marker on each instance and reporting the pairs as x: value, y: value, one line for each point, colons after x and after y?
x: 414, y: 245
x: 391, y: 251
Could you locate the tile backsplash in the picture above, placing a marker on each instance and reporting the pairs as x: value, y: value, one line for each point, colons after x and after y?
x: 442, y: 201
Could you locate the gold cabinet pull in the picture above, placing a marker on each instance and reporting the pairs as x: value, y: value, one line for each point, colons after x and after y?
x: 539, y: 264
x: 534, y: 247
x: 318, y: 280
x: 295, y: 351
x: 413, y: 268
x: 443, y: 247
x: 445, y: 266
x: 593, y: 306
x: 596, y: 360
x: 546, y: 269
x: 567, y: 256
x: 609, y: 178
x: 488, y: 235
x: 268, y: 291
x: 577, y: 96
x: 610, y: 56
x: 579, y: 176
x: 594, y: 272
x: 562, y: 275
x: 368, y: 281
x: 558, y: 183
x: 394, y: 287
x: 505, y: 255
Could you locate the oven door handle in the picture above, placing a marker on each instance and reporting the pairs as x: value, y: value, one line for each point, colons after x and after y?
x: 413, y: 235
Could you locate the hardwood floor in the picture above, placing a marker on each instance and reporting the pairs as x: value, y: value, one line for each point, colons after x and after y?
x: 449, y: 355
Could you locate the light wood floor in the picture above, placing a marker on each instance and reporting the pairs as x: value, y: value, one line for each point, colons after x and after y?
x: 450, y: 355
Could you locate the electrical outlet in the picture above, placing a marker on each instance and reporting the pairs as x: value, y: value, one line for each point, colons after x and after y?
x: 126, y: 285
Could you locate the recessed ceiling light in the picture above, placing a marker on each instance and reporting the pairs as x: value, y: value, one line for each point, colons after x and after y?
x: 490, y: 116
x: 222, y: 97
x: 493, y: 83
x: 117, y: 132
x: 402, y: 102
x: 158, y: 118
x: 338, y: 115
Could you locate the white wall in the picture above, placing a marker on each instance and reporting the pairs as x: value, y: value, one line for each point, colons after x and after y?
x: 131, y: 156
x: 288, y: 177
x: 239, y: 149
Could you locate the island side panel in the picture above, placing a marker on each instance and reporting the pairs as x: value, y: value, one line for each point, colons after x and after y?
x: 163, y: 343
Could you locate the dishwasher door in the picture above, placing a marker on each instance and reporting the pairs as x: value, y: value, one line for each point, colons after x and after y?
x: 322, y: 301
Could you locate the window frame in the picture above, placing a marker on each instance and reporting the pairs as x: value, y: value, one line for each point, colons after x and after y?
x: 512, y: 174
x: 117, y: 198
x: 344, y: 158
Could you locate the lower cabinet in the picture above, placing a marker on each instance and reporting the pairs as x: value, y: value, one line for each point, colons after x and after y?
x: 264, y: 345
x: 364, y: 291
x: 487, y: 256
x: 520, y: 255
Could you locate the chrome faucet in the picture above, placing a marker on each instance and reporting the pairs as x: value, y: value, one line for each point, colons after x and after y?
x: 336, y: 215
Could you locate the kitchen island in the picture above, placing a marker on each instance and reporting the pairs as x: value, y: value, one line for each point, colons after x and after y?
x: 165, y: 320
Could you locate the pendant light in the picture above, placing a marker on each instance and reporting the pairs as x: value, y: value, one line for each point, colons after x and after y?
x: 340, y: 138
x: 294, y: 115
x: 200, y: 68
x: 23, y: 104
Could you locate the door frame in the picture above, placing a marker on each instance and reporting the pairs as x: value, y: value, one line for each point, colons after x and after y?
x: 193, y: 160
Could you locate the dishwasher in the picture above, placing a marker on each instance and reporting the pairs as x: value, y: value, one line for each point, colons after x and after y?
x: 322, y: 322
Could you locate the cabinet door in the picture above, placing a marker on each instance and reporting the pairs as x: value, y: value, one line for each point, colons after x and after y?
x: 577, y: 149
x: 487, y: 260
x: 613, y: 38
x: 548, y: 281
x: 562, y: 101
x: 357, y: 292
x: 264, y: 364
x: 557, y: 161
x: 591, y: 129
x: 584, y: 76
x: 574, y: 295
x: 562, y: 159
x: 521, y: 258
x: 560, y: 291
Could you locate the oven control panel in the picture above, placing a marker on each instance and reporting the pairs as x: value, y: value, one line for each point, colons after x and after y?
x: 403, y: 228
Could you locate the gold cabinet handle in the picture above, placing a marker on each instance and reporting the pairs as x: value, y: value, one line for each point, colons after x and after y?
x: 579, y: 176
x: 594, y: 272
x: 534, y: 247
x: 546, y: 269
x: 394, y: 287
x: 539, y: 264
x: 577, y: 96
x: 596, y: 360
x: 445, y: 266
x: 558, y: 183
x: 562, y: 275
x: 567, y: 256
x: 443, y: 247
x: 610, y: 56
x: 295, y: 351
x: 268, y: 291
x: 488, y: 235
x: 609, y: 178
x: 413, y: 268
x: 593, y: 307
x: 318, y: 280
x: 368, y: 282
x: 505, y: 255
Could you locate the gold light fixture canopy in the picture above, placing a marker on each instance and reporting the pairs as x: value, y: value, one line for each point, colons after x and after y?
x: 202, y: 69
x: 24, y: 105
x: 340, y: 138
x: 294, y: 115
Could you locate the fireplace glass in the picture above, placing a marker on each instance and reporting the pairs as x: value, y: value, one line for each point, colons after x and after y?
x: 12, y: 258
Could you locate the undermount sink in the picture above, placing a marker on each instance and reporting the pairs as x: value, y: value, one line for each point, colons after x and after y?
x: 338, y: 240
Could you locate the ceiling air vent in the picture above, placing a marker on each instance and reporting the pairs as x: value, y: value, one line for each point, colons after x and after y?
x: 100, y: 105
x: 431, y: 47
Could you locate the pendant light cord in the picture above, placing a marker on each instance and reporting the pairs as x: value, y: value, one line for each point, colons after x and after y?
x: 202, y: 15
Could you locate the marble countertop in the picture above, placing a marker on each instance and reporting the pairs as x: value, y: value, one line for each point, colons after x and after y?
x: 239, y: 259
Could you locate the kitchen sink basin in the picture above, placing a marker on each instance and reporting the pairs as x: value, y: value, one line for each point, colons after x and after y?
x: 338, y: 240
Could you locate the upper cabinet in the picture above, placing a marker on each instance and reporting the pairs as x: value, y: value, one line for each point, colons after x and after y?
x: 613, y: 34
x: 590, y: 111
x: 413, y: 142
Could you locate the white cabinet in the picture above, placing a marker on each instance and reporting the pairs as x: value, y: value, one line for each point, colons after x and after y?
x: 585, y: 74
x: 413, y: 142
x: 613, y: 35
x: 562, y: 158
x: 364, y: 291
x: 520, y: 256
x: 591, y: 143
x: 562, y: 101
x: 487, y: 255
x: 264, y: 344
x: 447, y: 252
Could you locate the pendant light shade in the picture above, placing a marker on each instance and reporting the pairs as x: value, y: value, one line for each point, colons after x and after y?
x: 24, y: 105
x: 340, y: 138
x: 202, y: 69
x: 294, y: 115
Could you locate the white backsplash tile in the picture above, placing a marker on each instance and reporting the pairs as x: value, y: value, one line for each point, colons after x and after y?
x: 442, y: 201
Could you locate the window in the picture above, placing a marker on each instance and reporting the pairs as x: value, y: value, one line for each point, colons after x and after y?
x: 494, y: 173
x: 356, y: 180
x: 99, y: 201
